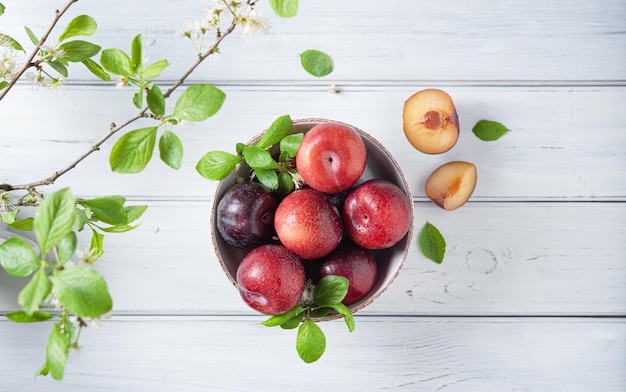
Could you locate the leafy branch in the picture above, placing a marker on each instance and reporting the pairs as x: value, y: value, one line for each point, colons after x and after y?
x: 327, y: 295
x: 62, y: 287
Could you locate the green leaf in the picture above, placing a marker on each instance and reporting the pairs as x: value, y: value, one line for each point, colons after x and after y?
x: 20, y: 316
x: 16, y: 45
x: 136, y: 54
x: 316, y: 63
x: 33, y: 38
x: 285, y: 8
x: 35, y: 292
x: 489, y: 131
x: 77, y: 51
x: 116, y: 62
x: 310, y: 342
x: 322, y: 312
x: 330, y: 290
x: 81, y: 25
x: 154, y: 70
x: 2, y: 8
x: 269, y: 178
x: 138, y: 99
x: 279, y: 319
x: 96, y: 69
x: 135, y: 212
x: 285, y: 182
x: 292, y: 323
x: 25, y: 224
x: 43, y: 370
x: 346, y: 313
x: 96, y: 246
x: 82, y: 291
x: 132, y: 152
x: 66, y: 248
x: 54, y: 219
x: 81, y: 217
x: 156, y: 100
x: 171, y: 149
x: 18, y: 258
x: 217, y: 165
x: 239, y: 148
x: 59, y: 67
x: 259, y: 159
x: 8, y: 216
x: 291, y: 143
x: 199, y: 102
x: 119, y: 228
x: 278, y: 130
x: 432, y: 243
x: 107, y: 209
x: 3, y: 84
x: 57, y: 351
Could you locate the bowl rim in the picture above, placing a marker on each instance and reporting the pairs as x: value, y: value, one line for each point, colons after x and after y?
x: 409, y: 235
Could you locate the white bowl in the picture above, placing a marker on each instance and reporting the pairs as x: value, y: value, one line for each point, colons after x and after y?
x: 380, y: 164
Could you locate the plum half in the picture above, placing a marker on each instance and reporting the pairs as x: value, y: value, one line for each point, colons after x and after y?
x: 452, y: 184
x: 430, y: 121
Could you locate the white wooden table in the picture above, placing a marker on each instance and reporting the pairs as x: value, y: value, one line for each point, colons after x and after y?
x: 532, y: 293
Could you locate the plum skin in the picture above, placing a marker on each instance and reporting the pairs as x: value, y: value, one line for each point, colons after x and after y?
x: 377, y: 214
x: 308, y: 224
x: 353, y: 263
x: 271, y: 279
x: 245, y: 215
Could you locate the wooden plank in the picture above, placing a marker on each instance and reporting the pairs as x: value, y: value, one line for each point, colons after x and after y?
x: 566, y: 143
x: 501, y: 259
x: 420, y: 41
x: 406, y: 354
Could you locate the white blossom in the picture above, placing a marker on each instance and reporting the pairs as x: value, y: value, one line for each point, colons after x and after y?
x: 8, y: 64
x: 251, y: 22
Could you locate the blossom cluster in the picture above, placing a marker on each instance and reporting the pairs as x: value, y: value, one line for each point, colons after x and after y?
x: 243, y: 14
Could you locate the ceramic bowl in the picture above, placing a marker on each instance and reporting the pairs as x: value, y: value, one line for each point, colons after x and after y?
x: 380, y: 164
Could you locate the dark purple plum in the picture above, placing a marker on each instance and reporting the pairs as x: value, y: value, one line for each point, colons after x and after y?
x: 353, y: 263
x: 245, y: 215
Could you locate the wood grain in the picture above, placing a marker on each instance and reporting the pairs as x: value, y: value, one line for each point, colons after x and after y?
x: 521, y: 41
x: 532, y: 293
x: 501, y: 259
x: 403, y: 353
x: 565, y: 143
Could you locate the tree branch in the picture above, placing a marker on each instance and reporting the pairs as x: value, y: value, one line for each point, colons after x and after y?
x: 29, y: 61
x: 31, y: 187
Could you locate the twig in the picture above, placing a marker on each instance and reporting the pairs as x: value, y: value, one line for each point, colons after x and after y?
x: 29, y: 62
x: 30, y: 187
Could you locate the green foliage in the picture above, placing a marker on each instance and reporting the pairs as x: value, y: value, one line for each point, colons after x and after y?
x: 35, y: 291
x: 82, y: 291
x: 18, y: 258
x: 316, y: 63
x: 156, y: 100
x: 217, y: 165
x: 132, y: 152
x: 432, y: 243
x: 284, y: 8
x: 310, y: 340
x: 2, y: 8
x: 16, y: 45
x: 171, y: 149
x: 54, y: 219
x: 20, y: 316
x: 82, y: 25
x: 199, y: 102
x: 487, y: 130
x: 273, y: 173
x: 57, y: 351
